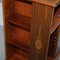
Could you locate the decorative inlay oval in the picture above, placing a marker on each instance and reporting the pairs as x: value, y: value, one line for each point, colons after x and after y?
x: 38, y: 44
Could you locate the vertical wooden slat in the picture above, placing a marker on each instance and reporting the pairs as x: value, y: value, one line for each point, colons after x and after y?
x: 8, y: 9
x: 40, y: 36
x: 53, y: 43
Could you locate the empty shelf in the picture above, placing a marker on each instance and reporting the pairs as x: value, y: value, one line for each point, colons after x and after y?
x: 18, y: 46
x: 21, y: 55
x: 20, y: 21
x: 55, y: 24
x: 19, y: 37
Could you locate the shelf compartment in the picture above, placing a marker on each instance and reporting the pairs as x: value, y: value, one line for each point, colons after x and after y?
x: 20, y: 55
x: 20, y: 37
x: 55, y: 24
x: 20, y: 21
x: 25, y: 22
x: 18, y: 46
x: 10, y: 51
x: 56, y: 20
x: 23, y: 8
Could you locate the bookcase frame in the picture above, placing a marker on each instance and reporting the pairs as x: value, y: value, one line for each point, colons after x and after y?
x: 44, y: 21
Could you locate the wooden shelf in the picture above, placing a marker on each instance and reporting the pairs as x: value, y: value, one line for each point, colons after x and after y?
x: 55, y: 24
x: 56, y: 20
x: 53, y: 3
x: 28, y: 26
x: 18, y: 46
x: 19, y: 37
x: 24, y: 22
x: 20, y: 21
x: 20, y: 55
x: 56, y: 58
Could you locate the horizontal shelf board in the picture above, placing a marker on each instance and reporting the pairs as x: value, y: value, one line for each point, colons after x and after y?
x: 15, y: 40
x: 50, y: 58
x: 56, y: 20
x: 23, y: 8
x: 25, y: 22
x: 20, y: 56
x: 53, y: 3
x: 25, y: 1
x: 18, y: 46
x: 55, y: 24
x: 56, y: 58
x: 20, y: 21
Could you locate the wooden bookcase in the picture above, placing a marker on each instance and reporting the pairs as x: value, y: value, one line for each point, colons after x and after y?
x: 31, y: 29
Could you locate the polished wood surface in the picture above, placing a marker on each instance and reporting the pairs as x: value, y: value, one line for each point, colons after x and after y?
x: 53, y: 43
x: 20, y: 21
x: 41, y: 30
x: 56, y: 19
x: 23, y: 8
x: 52, y: 3
x: 20, y: 37
x: 28, y: 25
x: 55, y: 24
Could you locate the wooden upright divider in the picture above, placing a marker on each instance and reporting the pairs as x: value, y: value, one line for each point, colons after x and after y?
x: 30, y: 28
x: 53, y: 43
x: 41, y: 24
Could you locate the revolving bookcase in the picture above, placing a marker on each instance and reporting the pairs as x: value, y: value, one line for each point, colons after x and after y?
x: 31, y: 29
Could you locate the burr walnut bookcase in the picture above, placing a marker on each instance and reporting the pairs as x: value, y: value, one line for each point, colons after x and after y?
x: 31, y: 29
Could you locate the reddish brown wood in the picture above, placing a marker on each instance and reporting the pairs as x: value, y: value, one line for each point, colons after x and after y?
x: 20, y: 38
x: 20, y: 55
x: 55, y: 24
x: 20, y: 21
x: 53, y: 43
x: 56, y: 19
x: 23, y: 8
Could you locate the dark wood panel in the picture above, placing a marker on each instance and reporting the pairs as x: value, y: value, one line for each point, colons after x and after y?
x: 19, y: 16
x: 56, y: 19
x: 41, y: 24
x: 53, y: 43
x: 55, y: 24
x: 25, y: 1
x: 20, y: 55
x: 52, y: 3
x: 10, y: 51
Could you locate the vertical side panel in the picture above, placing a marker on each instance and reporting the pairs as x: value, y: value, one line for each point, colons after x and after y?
x: 8, y: 7
x: 53, y: 48
x: 40, y: 35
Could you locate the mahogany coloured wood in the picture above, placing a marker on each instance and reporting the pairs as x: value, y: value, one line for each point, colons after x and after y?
x: 28, y: 28
x: 53, y: 43
x: 41, y: 24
